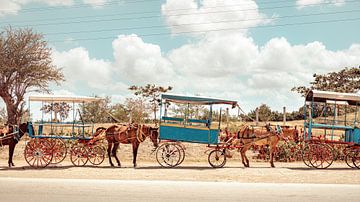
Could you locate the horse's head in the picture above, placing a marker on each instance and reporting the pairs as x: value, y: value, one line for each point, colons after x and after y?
x: 154, y: 136
x: 147, y: 131
x: 98, y: 131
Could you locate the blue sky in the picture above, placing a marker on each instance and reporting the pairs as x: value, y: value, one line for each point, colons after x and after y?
x: 261, y: 52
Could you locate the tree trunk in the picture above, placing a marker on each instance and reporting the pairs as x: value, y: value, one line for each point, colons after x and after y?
x: 13, y: 114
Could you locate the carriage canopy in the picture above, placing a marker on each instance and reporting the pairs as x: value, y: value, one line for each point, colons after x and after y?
x: 195, y: 100
x: 325, y: 96
x: 62, y: 98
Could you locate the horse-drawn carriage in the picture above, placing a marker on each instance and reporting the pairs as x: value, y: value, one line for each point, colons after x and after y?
x: 53, y: 138
x: 183, y: 128
x: 331, y: 120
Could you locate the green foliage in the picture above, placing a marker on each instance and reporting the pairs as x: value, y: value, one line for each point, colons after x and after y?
x: 346, y: 80
x: 61, y: 109
x: 137, y: 109
x: 95, y: 112
x: 151, y: 93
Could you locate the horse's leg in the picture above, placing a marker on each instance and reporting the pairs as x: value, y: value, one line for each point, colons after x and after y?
x: 11, y: 153
x: 135, y: 146
x: 116, y: 146
x: 243, y: 157
x: 109, y: 154
x: 246, y: 158
x: 272, y: 151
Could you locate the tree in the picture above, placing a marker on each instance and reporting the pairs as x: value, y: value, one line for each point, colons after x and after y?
x: 346, y: 80
x: 2, y: 115
x: 151, y: 93
x: 137, y: 108
x: 120, y: 112
x: 25, y: 65
x: 95, y: 112
x: 264, y: 112
x: 61, y: 108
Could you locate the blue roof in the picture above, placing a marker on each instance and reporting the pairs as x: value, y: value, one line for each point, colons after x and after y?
x: 196, y: 100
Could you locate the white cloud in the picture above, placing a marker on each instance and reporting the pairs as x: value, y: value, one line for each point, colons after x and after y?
x: 305, y: 3
x: 194, y: 16
x: 12, y: 7
x: 140, y: 62
x: 230, y: 66
x: 78, y: 67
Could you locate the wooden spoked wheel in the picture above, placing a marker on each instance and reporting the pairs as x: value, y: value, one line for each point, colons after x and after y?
x: 79, y: 155
x: 96, y: 154
x: 356, y: 158
x: 321, y: 156
x: 59, y: 150
x: 182, y: 152
x: 168, y: 155
x: 38, y: 153
x: 217, y: 158
x: 349, y: 159
x: 306, y: 156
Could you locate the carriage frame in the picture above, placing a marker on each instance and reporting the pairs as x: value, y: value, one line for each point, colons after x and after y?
x: 53, y: 147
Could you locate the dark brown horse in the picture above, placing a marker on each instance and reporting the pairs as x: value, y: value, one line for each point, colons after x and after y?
x: 248, y: 136
x: 12, y: 137
x: 134, y: 135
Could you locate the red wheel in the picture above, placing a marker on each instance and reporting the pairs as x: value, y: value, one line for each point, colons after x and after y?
x: 96, y: 154
x: 306, y: 156
x: 59, y: 150
x: 79, y: 156
x: 356, y: 159
x: 321, y: 156
x: 38, y: 153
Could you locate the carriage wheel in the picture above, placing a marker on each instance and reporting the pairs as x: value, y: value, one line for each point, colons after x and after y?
x: 38, y: 153
x: 356, y: 159
x: 79, y: 156
x: 59, y: 151
x: 96, y: 154
x: 217, y: 158
x: 182, y: 152
x: 321, y: 156
x: 168, y: 155
x: 306, y: 156
x: 348, y: 159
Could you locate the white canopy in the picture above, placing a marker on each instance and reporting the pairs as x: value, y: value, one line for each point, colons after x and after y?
x: 63, y: 98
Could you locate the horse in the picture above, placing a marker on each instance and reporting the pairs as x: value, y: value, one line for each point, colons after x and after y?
x: 133, y: 134
x: 12, y: 137
x: 247, y: 137
x: 290, y: 133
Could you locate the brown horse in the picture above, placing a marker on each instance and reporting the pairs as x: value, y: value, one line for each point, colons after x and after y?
x: 248, y: 136
x: 11, y: 138
x: 290, y: 133
x: 134, y: 135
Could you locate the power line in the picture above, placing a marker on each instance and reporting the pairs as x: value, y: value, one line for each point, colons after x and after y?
x: 145, y: 17
x: 218, y: 30
x: 81, y: 5
x: 148, y: 12
x: 187, y: 24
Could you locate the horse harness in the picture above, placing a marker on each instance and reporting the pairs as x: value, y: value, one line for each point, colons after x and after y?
x: 253, y: 137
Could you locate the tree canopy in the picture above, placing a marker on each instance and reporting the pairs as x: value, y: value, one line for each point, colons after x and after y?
x: 346, y: 80
x: 151, y: 93
x: 25, y: 65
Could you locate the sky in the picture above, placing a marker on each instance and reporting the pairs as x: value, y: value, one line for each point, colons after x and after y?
x: 253, y: 52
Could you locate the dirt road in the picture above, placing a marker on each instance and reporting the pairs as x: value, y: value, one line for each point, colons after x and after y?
x: 35, y: 189
x: 259, y: 172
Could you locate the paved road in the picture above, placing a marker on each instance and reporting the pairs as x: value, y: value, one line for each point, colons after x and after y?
x: 47, y: 189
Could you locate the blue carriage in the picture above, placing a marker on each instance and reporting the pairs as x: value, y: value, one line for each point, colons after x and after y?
x: 175, y: 128
x: 332, y: 121
x: 53, y: 135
